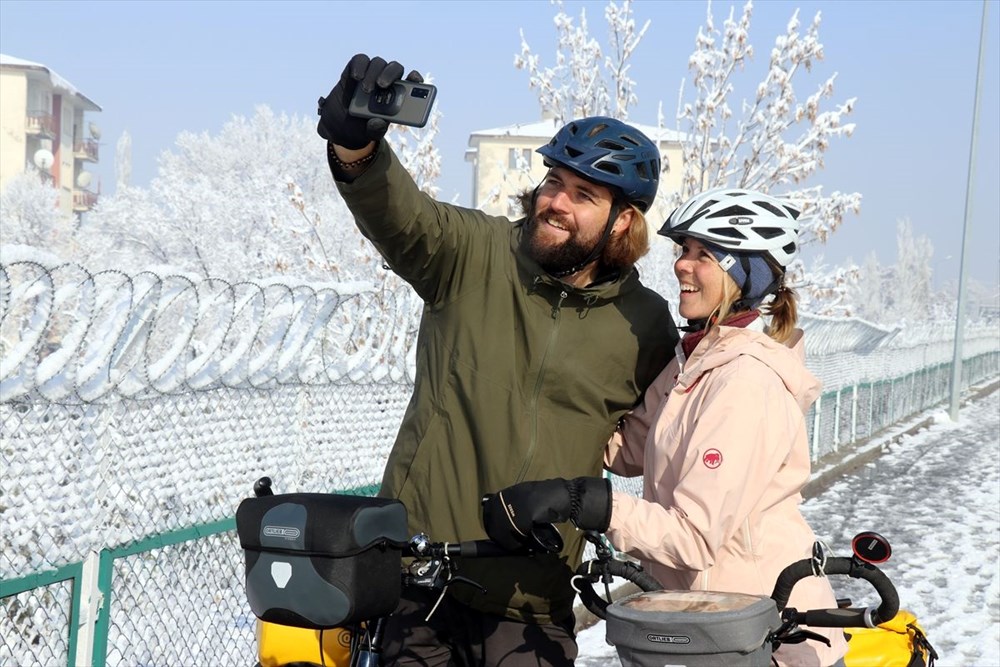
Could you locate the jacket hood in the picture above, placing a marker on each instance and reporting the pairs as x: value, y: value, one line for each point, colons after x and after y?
x: 724, y: 344
x: 626, y: 281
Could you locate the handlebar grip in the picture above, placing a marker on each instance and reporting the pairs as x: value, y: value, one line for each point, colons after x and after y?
x: 853, y: 568
x: 836, y: 618
x: 477, y: 549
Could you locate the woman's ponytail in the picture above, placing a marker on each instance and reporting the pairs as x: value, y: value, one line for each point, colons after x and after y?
x: 783, y: 311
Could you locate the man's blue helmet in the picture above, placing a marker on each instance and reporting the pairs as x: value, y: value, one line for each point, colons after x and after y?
x: 609, y: 152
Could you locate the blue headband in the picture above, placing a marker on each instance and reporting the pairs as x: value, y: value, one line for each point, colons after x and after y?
x: 750, y: 272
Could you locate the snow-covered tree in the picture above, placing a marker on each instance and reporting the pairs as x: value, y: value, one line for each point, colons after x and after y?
x: 825, y: 290
x: 585, y: 81
x: 30, y: 215
x: 123, y: 161
x: 776, y: 142
x: 867, y: 295
x: 904, y: 291
x: 913, y: 288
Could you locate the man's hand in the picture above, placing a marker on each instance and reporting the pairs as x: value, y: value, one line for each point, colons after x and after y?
x: 339, y: 127
x: 513, y: 514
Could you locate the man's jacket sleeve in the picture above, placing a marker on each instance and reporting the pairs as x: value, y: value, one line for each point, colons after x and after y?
x: 424, y: 241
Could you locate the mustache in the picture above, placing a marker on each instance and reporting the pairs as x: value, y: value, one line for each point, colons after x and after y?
x: 561, y: 219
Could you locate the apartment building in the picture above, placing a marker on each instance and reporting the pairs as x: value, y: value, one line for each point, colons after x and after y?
x: 43, y: 127
x: 505, y: 163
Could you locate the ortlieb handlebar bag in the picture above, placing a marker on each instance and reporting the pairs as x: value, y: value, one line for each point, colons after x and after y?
x: 320, y: 561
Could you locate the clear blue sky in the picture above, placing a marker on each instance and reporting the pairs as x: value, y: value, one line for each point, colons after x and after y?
x: 160, y: 68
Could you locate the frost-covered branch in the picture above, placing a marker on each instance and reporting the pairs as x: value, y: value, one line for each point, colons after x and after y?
x: 776, y: 140
x: 578, y: 84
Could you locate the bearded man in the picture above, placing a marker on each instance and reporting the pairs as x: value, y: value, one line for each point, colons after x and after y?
x: 536, y: 338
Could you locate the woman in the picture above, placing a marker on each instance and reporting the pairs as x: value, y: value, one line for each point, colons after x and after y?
x: 720, y: 437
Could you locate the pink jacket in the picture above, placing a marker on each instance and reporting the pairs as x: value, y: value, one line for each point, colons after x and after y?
x: 721, y: 438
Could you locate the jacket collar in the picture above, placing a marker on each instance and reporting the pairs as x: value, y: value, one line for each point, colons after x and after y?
x: 724, y: 344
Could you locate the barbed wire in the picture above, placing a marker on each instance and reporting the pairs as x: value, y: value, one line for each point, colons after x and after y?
x: 70, y: 335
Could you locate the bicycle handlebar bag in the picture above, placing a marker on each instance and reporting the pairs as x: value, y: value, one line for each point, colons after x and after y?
x: 320, y: 561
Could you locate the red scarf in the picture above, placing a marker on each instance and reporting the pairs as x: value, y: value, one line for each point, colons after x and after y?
x: 739, y: 320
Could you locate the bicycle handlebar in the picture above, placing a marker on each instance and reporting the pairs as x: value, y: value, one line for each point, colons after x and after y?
x: 839, y: 618
x: 421, y: 547
x: 589, y: 572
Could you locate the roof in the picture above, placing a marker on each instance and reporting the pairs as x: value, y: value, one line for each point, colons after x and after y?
x: 545, y: 129
x: 58, y: 82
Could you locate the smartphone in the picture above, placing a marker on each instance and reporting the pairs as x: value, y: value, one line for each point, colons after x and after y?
x: 404, y: 102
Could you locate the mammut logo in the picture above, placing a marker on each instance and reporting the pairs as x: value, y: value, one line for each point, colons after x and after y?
x: 741, y: 220
x: 285, y: 532
x: 668, y: 639
x: 712, y: 459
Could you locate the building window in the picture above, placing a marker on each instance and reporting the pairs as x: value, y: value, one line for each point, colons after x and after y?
x: 518, y: 158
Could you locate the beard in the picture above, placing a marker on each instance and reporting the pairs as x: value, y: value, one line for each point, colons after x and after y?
x: 555, y: 258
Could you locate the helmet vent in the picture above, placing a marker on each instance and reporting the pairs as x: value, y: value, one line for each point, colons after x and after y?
x: 731, y: 211
x: 773, y: 209
x: 610, y: 145
x: 572, y: 152
x: 769, y: 232
x: 642, y: 171
x: 609, y: 167
x: 596, y: 129
x: 730, y: 232
x: 790, y: 248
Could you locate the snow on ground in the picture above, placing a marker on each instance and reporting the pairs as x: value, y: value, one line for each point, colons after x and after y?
x: 936, y: 496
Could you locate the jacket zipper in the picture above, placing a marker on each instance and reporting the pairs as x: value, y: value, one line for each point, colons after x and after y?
x: 553, y: 335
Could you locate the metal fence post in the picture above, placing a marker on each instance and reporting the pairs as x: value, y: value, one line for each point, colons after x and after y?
x: 871, y: 408
x: 854, y: 413
x: 818, y: 408
x: 836, y: 422
x: 91, y: 600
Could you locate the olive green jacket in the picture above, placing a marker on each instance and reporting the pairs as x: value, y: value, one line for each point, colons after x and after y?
x: 518, y: 377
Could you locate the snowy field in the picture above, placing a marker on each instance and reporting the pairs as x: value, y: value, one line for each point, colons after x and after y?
x: 936, y: 496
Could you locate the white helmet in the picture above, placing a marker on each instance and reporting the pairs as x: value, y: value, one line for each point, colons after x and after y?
x: 738, y: 220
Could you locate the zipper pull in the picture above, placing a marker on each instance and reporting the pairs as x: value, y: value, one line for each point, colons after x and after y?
x: 555, y: 309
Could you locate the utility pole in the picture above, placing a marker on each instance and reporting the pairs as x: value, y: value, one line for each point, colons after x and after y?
x: 956, y: 369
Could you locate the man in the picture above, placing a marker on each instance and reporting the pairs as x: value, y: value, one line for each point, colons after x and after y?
x: 536, y: 338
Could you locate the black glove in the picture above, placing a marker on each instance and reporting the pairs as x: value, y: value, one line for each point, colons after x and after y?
x: 511, y: 515
x: 341, y: 128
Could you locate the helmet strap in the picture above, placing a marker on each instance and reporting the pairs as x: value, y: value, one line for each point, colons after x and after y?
x: 695, y: 325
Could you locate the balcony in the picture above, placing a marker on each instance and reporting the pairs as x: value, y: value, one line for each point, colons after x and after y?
x: 41, y: 124
x: 85, y: 149
x: 83, y: 200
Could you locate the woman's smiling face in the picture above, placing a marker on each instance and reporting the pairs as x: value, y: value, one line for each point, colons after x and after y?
x: 701, y: 280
